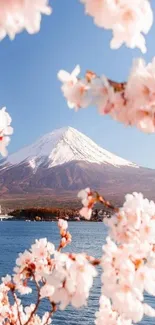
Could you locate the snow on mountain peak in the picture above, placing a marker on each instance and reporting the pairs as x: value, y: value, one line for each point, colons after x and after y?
x: 61, y: 146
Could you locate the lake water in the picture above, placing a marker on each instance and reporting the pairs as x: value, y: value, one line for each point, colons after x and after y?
x: 15, y: 237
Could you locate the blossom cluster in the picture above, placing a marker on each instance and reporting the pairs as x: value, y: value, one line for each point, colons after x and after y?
x: 14, y: 313
x: 128, y: 20
x: 88, y: 199
x: 108, y: 316
x: 17, y: 15
x: 65, y: 235
x: 128, y: 262
x: 62, y: 278
x: 134, y: 222
x: 5, y: 130
x: 132, y: 103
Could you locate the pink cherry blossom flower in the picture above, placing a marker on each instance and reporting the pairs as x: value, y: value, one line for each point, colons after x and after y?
x: 72, y: 278
x: 71, y: 78
x: 5, y: 131
x: 108, y: 316
x: 86, y: 197
x: 134, y: 221
x: 86, y: 213
x: 149, y: 311
x: 42, y: 249
x: 131, y: 103
x: 75, y: 90
x: 16, y: 15
x: 128, y: 19
x: 46, y: 291
x: 63, y: 224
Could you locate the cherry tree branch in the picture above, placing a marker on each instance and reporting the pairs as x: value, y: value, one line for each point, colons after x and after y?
x: 94, y: 261
x: 37, y: 303
x: 51, y: 313
x: 103, y: 201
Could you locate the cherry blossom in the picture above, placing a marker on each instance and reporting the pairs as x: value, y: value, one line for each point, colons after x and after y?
x: 121, y: 289
x: 128, y: 19
x: 36, y: 260
x: 135, y: 221
x: 66, y: 237
x: 132, y: 103
x: 16, y: 15
x: 63, y: 279
x: 89, y: 199
x: 86, y: 197
x: 141, y: 81
x: 86, y: 213
x: 126, y: 275
x: 106, y: 314
x: 129, y: 262
x: 149, y: 311
x: 5, y: 130
x: 62, y: 224
x: 72, y: 278
x: 73, y: 90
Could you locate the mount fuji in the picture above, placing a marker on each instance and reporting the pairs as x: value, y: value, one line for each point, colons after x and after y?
x: 66, y: 160
x: 62, y: 146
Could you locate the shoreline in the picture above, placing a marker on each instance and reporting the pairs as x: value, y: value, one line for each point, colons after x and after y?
x: 54, y: 214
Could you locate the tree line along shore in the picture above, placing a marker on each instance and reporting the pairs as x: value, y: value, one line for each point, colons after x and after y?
x: 53, y: 214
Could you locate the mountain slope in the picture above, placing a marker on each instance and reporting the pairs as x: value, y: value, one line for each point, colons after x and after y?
x: 62, y: 146
x: 66, y: 160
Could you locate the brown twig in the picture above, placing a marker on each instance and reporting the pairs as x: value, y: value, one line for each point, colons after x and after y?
x: 37, y: 303
x: 60, y: 245
x: 53, y: 310
x: 107, y: 204
x: 94, y: 261
x: 117, y: 86
x: 66, y: 236
x: 59, y: 248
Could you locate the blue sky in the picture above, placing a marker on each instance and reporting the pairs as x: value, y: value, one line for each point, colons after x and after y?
x: 31, y: 92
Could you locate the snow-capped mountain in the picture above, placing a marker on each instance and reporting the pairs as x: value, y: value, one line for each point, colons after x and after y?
x: 62, y: 146
x: 66, y: 160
